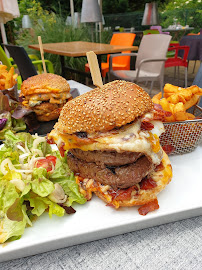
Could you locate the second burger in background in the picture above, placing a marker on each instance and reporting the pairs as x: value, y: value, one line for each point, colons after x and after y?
x: 45, y: 94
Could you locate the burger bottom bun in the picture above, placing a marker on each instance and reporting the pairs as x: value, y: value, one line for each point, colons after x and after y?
x: 161, y: 177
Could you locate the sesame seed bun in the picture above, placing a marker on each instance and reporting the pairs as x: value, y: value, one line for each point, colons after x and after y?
x: 44, y: 83
x: 115, y: 104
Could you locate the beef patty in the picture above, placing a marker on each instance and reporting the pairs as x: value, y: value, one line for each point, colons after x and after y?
x: 46, y: 107
x: 110, y: 158
x: 117, y: 177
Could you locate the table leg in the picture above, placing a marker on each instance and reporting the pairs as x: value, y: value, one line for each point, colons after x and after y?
x: 62, y: 61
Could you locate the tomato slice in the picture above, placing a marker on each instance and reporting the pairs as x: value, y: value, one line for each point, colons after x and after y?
x: 46, y: 163
x: 53, y: 159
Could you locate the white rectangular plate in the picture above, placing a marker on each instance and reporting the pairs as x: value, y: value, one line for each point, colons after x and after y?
x: 181, y: 199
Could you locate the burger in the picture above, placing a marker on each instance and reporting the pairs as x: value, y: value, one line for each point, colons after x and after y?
x: 112, y: 137
x: 45, y: 94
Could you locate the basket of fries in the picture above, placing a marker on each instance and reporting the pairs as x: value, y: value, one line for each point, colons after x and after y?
x: 183, y: 125
x: 8, y: 81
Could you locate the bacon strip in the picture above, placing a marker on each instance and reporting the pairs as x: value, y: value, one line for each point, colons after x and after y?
x: 147, y: 183
x: 148, y: 207
x: 159, y: 113
x: 168, y: 149
x: 146, y: 125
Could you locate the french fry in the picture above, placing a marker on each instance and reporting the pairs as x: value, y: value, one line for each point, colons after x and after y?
x: 179, y: 107
x: 186, y: 93
x: 190, y: 116
x: 173, y: 99
x: 8, y: 82
x: 7, y: 78
x: 170, y: 118
x: 172, y: 107
x: 165, y: 104
x: 182, y: 99
x: 191, y: 102
x: 169, y: 88
x: 15, y: 77
x: 158, y: 96
x: 3, y: 67
x: 156, y: 100
x: 195, y: 90
x: 180, y: 116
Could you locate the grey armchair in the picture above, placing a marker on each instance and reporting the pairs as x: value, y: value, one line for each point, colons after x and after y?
x: 150, y: 61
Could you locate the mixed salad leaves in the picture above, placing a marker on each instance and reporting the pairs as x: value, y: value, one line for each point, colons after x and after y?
x: 8, y: 121
x: 33, y: 179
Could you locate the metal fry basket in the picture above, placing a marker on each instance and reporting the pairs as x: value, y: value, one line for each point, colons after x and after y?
x: 184, y: 136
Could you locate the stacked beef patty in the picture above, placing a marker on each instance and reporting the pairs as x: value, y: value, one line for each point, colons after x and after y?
x: 119, y: 170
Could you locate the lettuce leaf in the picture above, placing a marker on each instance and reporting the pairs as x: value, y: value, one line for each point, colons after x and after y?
x: 40, y: 184
x: 63, y: 176
x: 9, y: 153
x: 40, y: 204
x: 13, y: 217
x: 11, y: 139
x: 8, y: 124
x: 18, y: 124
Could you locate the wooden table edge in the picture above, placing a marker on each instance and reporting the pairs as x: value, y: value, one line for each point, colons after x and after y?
x: 36, y: 47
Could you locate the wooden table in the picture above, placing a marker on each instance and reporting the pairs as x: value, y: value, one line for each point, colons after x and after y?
x: 79, y: 49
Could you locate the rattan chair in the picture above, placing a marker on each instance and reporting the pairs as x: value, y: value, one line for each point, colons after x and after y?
x: 150, y: 61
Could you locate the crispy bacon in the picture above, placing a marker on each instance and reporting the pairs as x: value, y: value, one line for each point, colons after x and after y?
x: 148, y: 207
x: 159, y: 167
x: 146, y: 125
x: 159, y: 113
x: 168, y: 149
x: 121, y: 194
x: 62, y: 150
x: 147, y: 183
x: 50, y: 141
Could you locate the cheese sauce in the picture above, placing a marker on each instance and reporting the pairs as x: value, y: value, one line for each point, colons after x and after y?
x: 128, y: 138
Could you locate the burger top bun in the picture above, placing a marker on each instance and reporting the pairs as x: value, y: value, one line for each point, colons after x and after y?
x: 115, y: 104
x: 43, y: 84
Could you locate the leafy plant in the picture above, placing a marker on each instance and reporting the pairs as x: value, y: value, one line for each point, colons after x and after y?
x: 186, y: 12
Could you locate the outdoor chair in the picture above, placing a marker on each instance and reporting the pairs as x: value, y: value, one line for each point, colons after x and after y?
x: 150, y: 61
x: 177, y: 61
x: 156, y: 31
x: 25, y: 66
x: 123, y: 63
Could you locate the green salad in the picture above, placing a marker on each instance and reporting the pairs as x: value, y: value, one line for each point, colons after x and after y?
x: 33, y: 179
x: 11, y: 117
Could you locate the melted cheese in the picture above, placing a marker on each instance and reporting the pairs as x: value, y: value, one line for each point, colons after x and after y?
x: 53, y: 98
x: 129, y: 138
